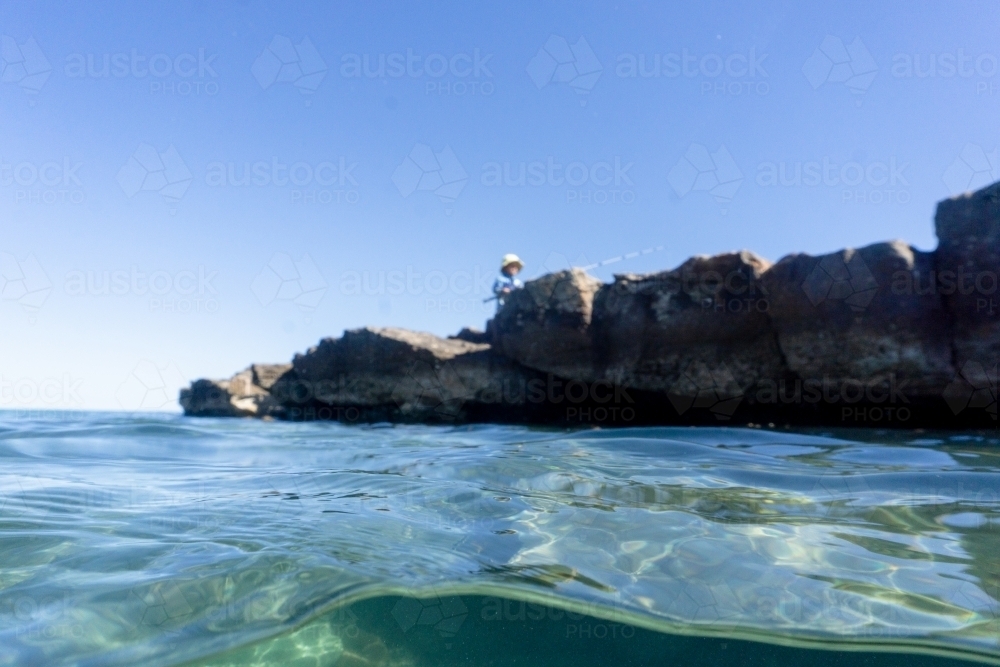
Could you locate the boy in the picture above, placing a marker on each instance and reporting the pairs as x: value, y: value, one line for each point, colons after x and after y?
x: 507, y: 282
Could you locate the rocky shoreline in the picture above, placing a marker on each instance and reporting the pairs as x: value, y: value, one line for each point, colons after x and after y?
x: 880, y: 336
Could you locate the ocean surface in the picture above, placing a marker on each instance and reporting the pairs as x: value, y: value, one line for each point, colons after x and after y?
x: 164, y: 540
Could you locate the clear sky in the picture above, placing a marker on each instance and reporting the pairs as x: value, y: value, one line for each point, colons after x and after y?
x: 189, y: 187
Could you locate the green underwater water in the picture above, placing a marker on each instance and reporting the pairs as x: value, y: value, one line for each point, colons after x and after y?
x: 504, y: 632
x: 163, y: 540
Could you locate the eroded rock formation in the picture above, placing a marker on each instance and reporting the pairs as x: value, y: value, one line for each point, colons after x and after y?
x: 884, y: 335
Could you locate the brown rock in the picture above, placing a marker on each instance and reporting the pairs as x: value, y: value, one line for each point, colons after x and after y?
x: 847, y: 316
x: 246, y: 394
x: 545, y: 325
x: 966, y: 271
x: 402, y: 375
x: 700, y: 327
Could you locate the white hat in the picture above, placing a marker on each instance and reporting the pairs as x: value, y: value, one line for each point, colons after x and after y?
x: 510, y: 258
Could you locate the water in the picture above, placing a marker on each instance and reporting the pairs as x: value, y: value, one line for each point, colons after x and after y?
x: 161, y: 540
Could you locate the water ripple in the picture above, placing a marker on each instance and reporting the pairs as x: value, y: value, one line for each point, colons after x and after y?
x: 161, y: 539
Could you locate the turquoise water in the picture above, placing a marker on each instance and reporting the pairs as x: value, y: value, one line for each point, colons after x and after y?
x: 162, y: 540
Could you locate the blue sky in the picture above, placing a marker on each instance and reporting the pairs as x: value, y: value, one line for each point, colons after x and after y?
x: 190, y: 187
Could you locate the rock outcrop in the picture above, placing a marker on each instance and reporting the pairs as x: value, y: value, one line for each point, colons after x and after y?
x: 884, y: 335
x: 965, y: 272
x: 698, y: 333
x: 391, y: 374
x: 546, y: 325
x: 246, y: 394
x: 850, y: 317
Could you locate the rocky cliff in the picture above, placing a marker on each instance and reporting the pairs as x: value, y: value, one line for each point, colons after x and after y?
x: 884, y: 335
